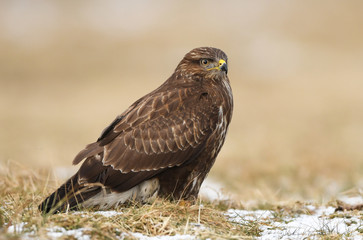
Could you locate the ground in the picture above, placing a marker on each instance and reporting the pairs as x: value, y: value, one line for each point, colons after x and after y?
x: 214, y: 216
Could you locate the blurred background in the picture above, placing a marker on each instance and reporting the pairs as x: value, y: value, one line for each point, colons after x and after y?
x: 67, y: 68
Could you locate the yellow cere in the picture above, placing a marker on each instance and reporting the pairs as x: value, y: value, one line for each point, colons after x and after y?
x: 220, y: 63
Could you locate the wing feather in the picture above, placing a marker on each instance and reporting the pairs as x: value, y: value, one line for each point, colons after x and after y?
x: 164, y: 129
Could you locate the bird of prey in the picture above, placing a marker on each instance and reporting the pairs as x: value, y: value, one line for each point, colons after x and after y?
x: 163, y: 145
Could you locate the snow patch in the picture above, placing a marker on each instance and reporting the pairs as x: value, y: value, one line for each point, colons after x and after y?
x: 59, y: 232
x: 212, y: 191
x: 313, y: 226
x: 108, y: 213
x: 357, y: 200
x: 175, y: 237
x: 17, y: 228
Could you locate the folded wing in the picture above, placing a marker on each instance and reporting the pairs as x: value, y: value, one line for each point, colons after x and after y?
x: 163, y: 129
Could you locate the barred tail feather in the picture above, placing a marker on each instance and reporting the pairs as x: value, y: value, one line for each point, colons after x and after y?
x: 67, y: 197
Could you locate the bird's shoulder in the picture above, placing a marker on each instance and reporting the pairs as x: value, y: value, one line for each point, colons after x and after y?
x: 163, y: 108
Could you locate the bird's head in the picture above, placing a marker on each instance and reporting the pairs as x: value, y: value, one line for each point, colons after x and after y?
x: 203, y: 63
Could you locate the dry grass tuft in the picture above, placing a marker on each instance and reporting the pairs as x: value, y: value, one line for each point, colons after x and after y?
x: 23, y: 189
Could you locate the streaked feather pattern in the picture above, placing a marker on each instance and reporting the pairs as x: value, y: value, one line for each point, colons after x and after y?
x: 171, y: 135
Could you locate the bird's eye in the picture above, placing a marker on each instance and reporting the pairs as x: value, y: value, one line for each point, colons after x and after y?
x: 204, y: 62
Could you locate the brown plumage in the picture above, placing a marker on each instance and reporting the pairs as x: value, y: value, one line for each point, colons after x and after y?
x: 162, y: 145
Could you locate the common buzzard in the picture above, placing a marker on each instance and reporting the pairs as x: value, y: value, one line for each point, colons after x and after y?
x: 162, y: 145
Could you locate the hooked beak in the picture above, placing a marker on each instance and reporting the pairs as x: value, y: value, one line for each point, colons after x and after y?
x: 222, y: 65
